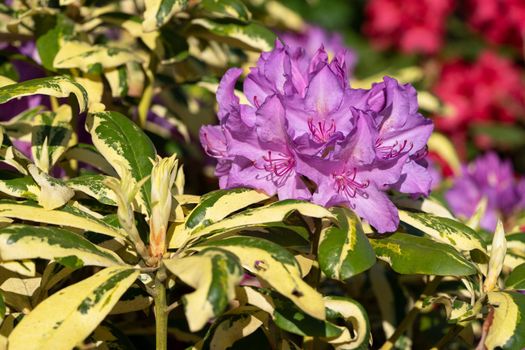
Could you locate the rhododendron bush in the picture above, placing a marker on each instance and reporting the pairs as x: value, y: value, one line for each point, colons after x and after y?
x: 228, y: 174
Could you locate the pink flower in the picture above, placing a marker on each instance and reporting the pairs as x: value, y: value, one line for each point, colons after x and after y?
x: 413, y: 26
x: 499, y: 21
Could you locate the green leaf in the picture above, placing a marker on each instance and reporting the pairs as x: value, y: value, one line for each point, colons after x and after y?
x: 67, y: 317
x: 445, y: 230
x: 213, y: 273
x: 50, y: 30
x: 409, y: 254
x: 277, y: 267
x: 226, y: 9
x: 66, y: 215
x: 217, y: 205
x: 252, y: 36
x: 344, y: 250
x: 19, y: 242
x: 516, y: 279
x: 93, y: 185
x: 507, y: 330
x: 126, y: 147
x: 500, y: 134
x: 57, y: 86
x: 159, y: 12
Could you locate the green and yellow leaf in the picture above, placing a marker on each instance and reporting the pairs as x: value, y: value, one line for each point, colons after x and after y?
x: 252, y: 36
x: 268, y: 214
x: 67, y: 216
x: 159, y: 12
x: 353, y: 313
x: 344, y: 250
x: 126, y: 148
x: 213, y: 273
x: 20, y: 242
x: 409, y: 254
x: 84, y: 56
x: 277, y: 267
x: 445, y: 230
x: 57, y: 86
x: 217, y: 205
x: 82, y: 307
x: 507, y: 330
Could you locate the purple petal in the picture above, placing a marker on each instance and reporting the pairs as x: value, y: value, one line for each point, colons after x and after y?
x: 325, y: 92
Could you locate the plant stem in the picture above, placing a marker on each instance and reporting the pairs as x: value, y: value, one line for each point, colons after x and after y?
x: 451, y: 334
x: 411, y: 316
x: 161, y: 315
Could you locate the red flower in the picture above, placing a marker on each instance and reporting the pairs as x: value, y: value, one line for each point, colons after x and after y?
x: 499, y: 21
x: 414, y: 26
x: 488, y: 90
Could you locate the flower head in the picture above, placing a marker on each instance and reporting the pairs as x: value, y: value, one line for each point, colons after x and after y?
x: 313, y: 37
x: 306, y: 134
x: 499, y: 21
x: 486, y: 177
x: 488, y: 90
x: 413, y: 26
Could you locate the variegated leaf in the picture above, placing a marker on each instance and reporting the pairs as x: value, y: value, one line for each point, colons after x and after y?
x: 217, y: 205
x: 66, y: 216
x: 19, y: 242
x: 507, y: 330
x: 250, y: 36
x: 213, y: 273
x: 445, y: 230
x: 268, y: 214
x: 277, y: 267
x: 353, y: 313
x: 23, y: 267
x: 126, y: 147
x: 409, y: 254
x: 50, y: 137
x: 344, y: 250
x: 57, y: 86
x: 159, y: 12
x: 226, y: 9
x: 21, y: 187
x: 135, y: 299
x: 84, y: 56
x: 82, y: 307
x: 93, y: 185
x: 231, y: 327
x: 53, y: 192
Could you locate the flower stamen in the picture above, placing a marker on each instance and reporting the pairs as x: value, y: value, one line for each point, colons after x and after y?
x: 346, y: 184
x: 321, y: 133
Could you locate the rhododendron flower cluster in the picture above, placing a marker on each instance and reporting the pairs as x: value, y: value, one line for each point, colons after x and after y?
x: 499, y: 21
x: 491, y: 89
x: 312, y: 37
x: 306, y: 134
x: 413, y: 26
x: 491, y: 178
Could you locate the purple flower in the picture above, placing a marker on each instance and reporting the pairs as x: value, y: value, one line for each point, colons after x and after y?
x: 486, y: 177
x: 313, y: 37
x: 304, y: 122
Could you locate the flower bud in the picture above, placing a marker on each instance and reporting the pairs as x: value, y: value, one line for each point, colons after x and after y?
x: 163, y: 178
x: 497, y: 256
